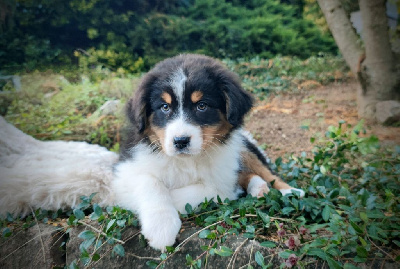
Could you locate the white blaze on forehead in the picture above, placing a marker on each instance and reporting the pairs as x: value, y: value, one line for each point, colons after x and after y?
x: 177, y: 83
x: 180, y: 126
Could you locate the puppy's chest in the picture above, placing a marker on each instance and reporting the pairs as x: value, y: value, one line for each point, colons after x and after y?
x: 180, y: 173
x: 217, y: 173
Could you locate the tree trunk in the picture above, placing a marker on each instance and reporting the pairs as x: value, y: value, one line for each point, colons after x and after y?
x: 378, y: 75
x: 342, y: 31
x: 7, y: 9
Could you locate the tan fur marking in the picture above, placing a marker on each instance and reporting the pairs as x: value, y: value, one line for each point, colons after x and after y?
x: 255, y: 166
x: 166, y: 97
x: 244, y: 179
x: 155, y: 134
x: 196, y: 96
x: 216, y: 134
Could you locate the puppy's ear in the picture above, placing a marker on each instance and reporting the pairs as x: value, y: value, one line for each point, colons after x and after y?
x: 238, y: 101
x: 136, y: 111
x: 136, y: 108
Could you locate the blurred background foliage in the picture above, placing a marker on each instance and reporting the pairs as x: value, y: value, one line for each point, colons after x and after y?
x: 132, y: 35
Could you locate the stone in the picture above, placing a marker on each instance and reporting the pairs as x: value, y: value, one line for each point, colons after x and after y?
x: 136, y: 254
x: 24, y: 250
x: 33, y: 248
x: 388, y: 112
x: 110, y: 107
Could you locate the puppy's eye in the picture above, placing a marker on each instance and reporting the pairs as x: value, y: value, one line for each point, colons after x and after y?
x: 201, y: 106
x: 165, y: 107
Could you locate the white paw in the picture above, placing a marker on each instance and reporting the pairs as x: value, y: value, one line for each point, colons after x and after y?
x: 299, y: 192
x: 160, y: 227
x: 257, y: 187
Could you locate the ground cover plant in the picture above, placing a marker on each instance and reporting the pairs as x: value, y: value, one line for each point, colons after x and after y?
x: 349, y: 217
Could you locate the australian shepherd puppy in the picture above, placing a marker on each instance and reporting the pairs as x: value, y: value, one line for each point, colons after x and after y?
x: 186, y: 143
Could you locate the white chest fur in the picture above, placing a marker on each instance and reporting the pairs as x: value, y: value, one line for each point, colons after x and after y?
x: 186, y: 179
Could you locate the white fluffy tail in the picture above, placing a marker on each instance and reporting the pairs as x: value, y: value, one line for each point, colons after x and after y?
x: 50, y: 175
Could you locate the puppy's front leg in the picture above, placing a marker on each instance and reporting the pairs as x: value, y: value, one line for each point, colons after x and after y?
x: 150, y: 199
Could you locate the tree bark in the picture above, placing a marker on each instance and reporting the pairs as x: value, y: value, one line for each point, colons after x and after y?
x: 342, y: 31
x: 378, y: 76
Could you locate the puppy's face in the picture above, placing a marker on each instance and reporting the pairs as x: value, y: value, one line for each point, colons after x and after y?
x: 188, y: 104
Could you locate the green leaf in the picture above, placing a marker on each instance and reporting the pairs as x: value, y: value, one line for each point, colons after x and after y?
x: 188, y: 208
x: 152, y: 264
x: 95, y: 257
x: 350, y: 266
x: 6, y: 232
x: 359, y: 259
x: 287, y: 210
x: 284, y: 254
x: 362, y: 252
x: 97, y: 210
x: 250, y: 229
x: 110, y: 224
x: 364, y: 217
x: 88, y: 234
x: 79, y: 213
x: 211, y: 219
x: 317, y: 252
x: 333, y: 264
x: 119, y: 249
x: 356, y: 227
x: 375, y: 214
x: 224, y: 251
x: 322, y: 169
x: 248, y: 235
x: 163, y: 256
x: 242, y: 211
x: 363, y: 242
x: 121, y: 222
x: 170, y: 249
x: 259, y: 258
x: 326, y: 213
x: 264, y: 217
x: 220, y: 229
x: 204, y: 234
x: 212, y: 236
x: 268, y: 244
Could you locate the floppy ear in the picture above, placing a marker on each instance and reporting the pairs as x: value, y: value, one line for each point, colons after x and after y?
x: 136, y: 111
x: 238, y: 101
x: 136, y: 108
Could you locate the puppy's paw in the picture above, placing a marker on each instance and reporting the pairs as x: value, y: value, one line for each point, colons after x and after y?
x: 257, y: 187
x: 160, y: 227
x: 299, y: 192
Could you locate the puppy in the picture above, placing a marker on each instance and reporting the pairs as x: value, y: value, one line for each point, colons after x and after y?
x: 186, y: 144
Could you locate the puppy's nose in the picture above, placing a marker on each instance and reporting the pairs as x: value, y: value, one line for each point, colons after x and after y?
x: 181, y: 142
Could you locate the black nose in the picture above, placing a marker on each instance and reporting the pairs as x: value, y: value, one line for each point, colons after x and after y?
x: 181, y: 142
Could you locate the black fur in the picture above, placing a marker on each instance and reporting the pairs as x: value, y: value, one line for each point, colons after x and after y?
x: 221, y: 89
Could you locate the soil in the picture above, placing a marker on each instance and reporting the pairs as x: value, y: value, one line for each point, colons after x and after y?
x: 284, y: 124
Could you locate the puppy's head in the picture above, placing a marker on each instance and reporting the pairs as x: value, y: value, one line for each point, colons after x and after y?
x: 188, y: 103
